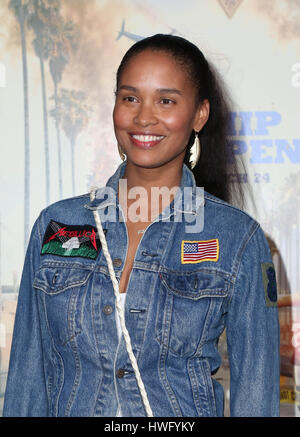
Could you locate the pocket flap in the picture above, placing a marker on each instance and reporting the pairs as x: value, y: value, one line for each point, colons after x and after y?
x: 196, y: 285
x: 56, y: 279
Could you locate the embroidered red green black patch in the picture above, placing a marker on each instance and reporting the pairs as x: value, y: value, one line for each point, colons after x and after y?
x: 71, y: 240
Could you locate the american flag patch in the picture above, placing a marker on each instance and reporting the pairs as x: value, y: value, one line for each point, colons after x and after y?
x: 199, y: 251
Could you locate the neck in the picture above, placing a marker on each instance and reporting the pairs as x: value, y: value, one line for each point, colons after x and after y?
x: 150, y: 189
x: 166, y: 176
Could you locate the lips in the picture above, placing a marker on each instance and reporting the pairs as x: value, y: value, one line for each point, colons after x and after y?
x: 146, y: 141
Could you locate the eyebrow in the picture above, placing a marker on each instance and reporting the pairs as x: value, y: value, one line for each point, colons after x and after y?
x: 169, y: 91
x: 160, y: 90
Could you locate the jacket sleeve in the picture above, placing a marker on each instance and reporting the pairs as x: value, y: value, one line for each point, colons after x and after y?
x: 253, y: 333
x: 25, y: 393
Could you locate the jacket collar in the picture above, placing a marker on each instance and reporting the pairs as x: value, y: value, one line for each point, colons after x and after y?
x: 188, y: 199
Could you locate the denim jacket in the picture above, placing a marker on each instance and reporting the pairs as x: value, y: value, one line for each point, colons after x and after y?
x: 185, y: 288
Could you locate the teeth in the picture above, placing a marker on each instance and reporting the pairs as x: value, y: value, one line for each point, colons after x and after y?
x: 147, y: 138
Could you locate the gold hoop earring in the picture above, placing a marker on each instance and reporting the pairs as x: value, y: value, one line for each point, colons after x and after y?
x: 195, y: 151
x: 121, y: 153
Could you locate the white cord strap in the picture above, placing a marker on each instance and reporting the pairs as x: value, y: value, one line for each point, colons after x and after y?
x: 120, y: 310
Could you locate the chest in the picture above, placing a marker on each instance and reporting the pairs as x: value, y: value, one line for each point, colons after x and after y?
x: 135, y: 232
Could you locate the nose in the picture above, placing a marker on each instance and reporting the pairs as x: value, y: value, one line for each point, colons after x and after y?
x: 145, y: 115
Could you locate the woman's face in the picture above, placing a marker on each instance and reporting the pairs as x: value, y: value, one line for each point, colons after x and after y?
x: 155, y: 110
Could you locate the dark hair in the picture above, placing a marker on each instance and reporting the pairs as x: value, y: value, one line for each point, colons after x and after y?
x: 217, y: 163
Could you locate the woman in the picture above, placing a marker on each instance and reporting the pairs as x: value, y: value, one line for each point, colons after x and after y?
x: 189, y: 266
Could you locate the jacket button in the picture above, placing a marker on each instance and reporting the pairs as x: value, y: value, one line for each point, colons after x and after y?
x: 120, y: 373
x: 117, y: 262
x: 108, y: 309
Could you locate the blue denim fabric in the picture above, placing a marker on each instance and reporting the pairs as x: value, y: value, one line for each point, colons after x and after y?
x: 65, y: 352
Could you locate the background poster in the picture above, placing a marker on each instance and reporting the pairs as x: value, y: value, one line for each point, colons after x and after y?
x: 58, y: 60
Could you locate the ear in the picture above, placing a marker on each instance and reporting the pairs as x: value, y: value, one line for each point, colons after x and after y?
x: 202, y: 115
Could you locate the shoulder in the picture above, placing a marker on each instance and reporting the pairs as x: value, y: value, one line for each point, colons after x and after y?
x: 238, y: 225
x: 70, y: 211
x: 235, y: 225
x: 218, y: 203
x: 228, y: 212
x: 244, y: 246
x: 67, y: 206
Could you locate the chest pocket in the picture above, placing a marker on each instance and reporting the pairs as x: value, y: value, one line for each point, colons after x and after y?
x: 63, y: 293
x: 191, y: 310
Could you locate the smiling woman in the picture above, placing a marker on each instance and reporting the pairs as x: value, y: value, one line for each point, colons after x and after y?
x: 79, y: 349
x: 201, y: 84
x: 155, y: 112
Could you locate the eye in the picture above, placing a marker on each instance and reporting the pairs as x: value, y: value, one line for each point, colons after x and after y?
x: 130, y: 99
x: 166, y: 101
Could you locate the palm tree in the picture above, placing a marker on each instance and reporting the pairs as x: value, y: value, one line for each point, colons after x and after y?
x: 20, y: 9
x: 74, y: 115
x: 63, y: 42
x: 38, y: 20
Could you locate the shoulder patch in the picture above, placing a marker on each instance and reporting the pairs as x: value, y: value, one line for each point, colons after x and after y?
x: 269, y: 281
x: 71, y: 240
x: 199, y: 251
